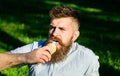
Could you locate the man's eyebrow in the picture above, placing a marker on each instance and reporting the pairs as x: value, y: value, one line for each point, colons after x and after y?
x: 51, y: 25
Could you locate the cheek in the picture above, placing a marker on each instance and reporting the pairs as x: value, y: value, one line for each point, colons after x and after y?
x: 67, y: 38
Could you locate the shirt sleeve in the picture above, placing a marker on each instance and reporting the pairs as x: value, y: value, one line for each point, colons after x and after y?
x: 93, y: 69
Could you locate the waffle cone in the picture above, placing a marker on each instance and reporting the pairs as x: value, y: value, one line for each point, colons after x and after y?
x: 52, y: 47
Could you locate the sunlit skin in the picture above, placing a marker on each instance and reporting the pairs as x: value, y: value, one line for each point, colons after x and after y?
x: 63, y: 29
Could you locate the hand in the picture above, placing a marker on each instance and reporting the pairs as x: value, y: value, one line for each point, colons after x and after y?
x: 39, y: 55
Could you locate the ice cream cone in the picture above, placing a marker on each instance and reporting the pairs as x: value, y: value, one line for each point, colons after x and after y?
x: 52, y: 47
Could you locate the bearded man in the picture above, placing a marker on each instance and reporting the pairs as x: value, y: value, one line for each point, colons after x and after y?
x: 70, y: 58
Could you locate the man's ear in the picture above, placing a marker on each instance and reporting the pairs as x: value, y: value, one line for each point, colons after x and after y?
x: 75, y: 35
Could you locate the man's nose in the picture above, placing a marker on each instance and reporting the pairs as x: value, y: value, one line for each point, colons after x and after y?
x: 55, y: 32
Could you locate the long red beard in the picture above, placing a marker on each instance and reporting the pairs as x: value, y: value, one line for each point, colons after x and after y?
x: 61, y: 53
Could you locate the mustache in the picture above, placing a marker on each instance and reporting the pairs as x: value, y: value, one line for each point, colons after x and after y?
x: 56, y: 39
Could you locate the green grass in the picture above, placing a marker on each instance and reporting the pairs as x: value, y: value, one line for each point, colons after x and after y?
x: 23, y: 71
x: 27, y: 21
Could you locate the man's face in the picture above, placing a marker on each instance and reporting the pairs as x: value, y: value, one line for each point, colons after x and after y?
x: 62, y: 29
x: 62, y: 32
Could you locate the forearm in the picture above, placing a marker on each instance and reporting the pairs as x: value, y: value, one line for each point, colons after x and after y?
x: 9, y: 60
x: 40, y: 55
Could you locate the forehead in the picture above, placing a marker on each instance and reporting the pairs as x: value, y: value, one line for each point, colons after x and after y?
x: 63, y: 22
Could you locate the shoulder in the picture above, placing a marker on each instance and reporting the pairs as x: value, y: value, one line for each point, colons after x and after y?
x: 29, y: 47
x: 42, y: 43
x: 39, y: 43
x: 83, y: 51
x: 83, y: 56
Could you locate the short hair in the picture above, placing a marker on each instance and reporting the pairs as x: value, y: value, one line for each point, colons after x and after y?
x: 65, y: 11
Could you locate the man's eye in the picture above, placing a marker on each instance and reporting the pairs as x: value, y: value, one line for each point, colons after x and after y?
x: 52, y: 27
x: 61, y: 28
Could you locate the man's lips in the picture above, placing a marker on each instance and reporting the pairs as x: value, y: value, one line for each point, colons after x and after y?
x: 56, y: 39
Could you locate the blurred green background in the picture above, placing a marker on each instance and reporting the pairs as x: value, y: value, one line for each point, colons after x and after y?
x: 25, y: 21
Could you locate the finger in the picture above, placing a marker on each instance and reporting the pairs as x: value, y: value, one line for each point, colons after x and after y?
x: 45, y: 57
x: 41, y: 60
x: 47, y: 52
x: 44, y: 53
x: 48, y: 49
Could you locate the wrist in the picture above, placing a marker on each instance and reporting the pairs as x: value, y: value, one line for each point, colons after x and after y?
x: 22, y: 58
